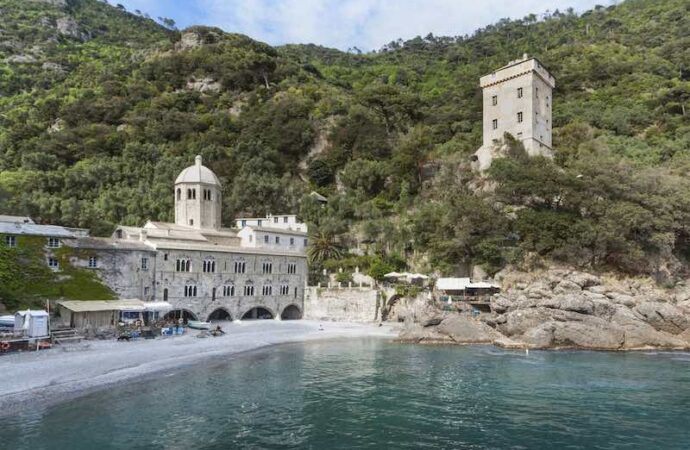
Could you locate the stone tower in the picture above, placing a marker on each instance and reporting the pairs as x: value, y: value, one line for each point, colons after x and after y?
x: 518, y: 99
x: 197, y: 197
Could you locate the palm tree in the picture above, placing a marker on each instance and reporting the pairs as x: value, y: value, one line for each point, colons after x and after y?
x: 323, y: 246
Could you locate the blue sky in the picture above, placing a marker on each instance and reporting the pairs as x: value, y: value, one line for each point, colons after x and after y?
x: 366, y: 24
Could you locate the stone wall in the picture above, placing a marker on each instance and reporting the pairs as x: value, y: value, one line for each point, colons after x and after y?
x: 342, y: 304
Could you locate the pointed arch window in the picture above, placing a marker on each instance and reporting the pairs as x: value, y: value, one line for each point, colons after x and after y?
x: 179, y: 194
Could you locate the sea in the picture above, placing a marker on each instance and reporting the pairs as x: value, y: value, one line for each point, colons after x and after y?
x: 375, y: 394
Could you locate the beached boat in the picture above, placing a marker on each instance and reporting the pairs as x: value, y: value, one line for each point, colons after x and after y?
x: 199, y: 325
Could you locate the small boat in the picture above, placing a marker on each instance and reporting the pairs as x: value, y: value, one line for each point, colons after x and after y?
x: 199, y: 325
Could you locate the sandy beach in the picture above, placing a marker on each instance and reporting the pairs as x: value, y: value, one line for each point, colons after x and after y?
x: 63, y: 372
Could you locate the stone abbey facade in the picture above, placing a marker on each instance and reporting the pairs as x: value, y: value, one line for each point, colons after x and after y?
x: 517, y: 99
x: 256, y: 270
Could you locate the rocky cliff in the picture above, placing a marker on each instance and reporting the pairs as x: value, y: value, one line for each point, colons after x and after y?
x: 562, y: 308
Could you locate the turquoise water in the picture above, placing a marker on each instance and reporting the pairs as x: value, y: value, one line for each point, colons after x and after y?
x: 373, y: 394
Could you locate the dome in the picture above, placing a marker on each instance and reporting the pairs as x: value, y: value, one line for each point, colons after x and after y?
x: 197, y: 174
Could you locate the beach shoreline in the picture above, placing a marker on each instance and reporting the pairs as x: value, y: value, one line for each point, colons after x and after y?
x: 57, y: 375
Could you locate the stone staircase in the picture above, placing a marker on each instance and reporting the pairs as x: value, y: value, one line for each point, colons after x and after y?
x: 65, y: 336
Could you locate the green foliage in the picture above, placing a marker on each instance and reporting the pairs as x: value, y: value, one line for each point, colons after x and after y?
x: 26, y: 281
x: 97, y: 119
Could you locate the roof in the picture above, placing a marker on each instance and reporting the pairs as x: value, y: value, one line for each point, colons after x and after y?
x: 40, y: 230
x: 277, y: 230
x: 13, y: 219
x: 109, y: 244
x: 32, y: 313
x: 452, y: 284
x: 318, y: 196
x: 197, y: 174
x: 460, y: 284
x: 103, y: 305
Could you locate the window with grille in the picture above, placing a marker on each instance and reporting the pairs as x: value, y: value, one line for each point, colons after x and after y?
x: 11, y: 241
x: 93, y: 262
x: 53, y: 242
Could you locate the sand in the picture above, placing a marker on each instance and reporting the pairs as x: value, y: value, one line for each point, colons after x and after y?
x: 67, y: 371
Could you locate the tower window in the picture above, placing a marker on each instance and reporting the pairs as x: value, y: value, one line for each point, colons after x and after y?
x: 194, y: 194
x: 519, y: 117
x: 11, y: 241
x: 179, y: 194
x: 494, y: 124
x: 191, y: 222
x: 189, y: 194
x: 519, y: 92
x: 209, y: 266
x: 537, y: 92
x: 144, y: 264
x: 494, y: 100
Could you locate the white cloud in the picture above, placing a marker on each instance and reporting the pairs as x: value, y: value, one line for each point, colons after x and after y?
x: 367, y: 24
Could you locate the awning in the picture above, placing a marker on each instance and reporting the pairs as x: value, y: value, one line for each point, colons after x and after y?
x: 158, y: 306
x: 393, y: 275
x: 103, y: 305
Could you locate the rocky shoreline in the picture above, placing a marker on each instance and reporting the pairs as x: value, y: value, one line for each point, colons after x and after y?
x: 562, y: 309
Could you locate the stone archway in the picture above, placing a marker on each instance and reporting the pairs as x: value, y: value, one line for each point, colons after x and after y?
x: 258, y: 313
x: 184, y: 314
x: 388, y: 312
x: 219, y: 314
x: 291, y: 312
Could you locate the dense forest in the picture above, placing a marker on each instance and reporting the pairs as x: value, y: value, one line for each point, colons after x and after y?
x: 100, y: 108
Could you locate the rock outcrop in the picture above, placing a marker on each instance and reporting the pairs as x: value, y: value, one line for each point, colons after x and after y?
x: 561, y: 308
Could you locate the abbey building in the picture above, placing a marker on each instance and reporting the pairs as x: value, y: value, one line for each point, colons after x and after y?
x: 256, y: 269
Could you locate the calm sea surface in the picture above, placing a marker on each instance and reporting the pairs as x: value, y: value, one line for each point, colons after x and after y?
x: 373, y: 394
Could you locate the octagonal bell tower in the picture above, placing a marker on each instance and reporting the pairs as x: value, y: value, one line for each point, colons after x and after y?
x: 198, y: 197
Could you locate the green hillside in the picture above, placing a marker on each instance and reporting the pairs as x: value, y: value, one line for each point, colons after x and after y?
x: 100, y: 108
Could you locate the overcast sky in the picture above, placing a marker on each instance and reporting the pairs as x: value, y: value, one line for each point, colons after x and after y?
x: 366, y: 24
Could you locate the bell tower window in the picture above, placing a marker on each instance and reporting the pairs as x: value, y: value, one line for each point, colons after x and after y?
x: 179, y: 194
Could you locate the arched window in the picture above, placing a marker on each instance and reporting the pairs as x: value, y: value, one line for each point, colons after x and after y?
x: 165, y: 294
x: 194, y: 194
x: 189, y: 194
x: 179, y: 194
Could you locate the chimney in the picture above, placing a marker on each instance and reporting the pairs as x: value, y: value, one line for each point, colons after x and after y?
x: 197, y: 160
x: 143, y: 235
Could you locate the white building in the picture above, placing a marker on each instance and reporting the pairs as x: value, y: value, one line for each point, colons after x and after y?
x: 517, y: 99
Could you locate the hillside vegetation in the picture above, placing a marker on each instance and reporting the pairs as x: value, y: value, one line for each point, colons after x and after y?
x: 100, y: 108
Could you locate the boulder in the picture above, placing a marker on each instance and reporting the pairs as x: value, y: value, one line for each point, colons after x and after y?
x: 467, y: 330
x: 621, y: 299
x: 500, y: 304
x: 566, y: 287
x: 540, y: 336
x: 593, y: 333
x: 417, y: 334
x: 663, y: 316
x: 204, y: 85
x: 584, y: 280
x: 67, y: 26
x: 570, y: 302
